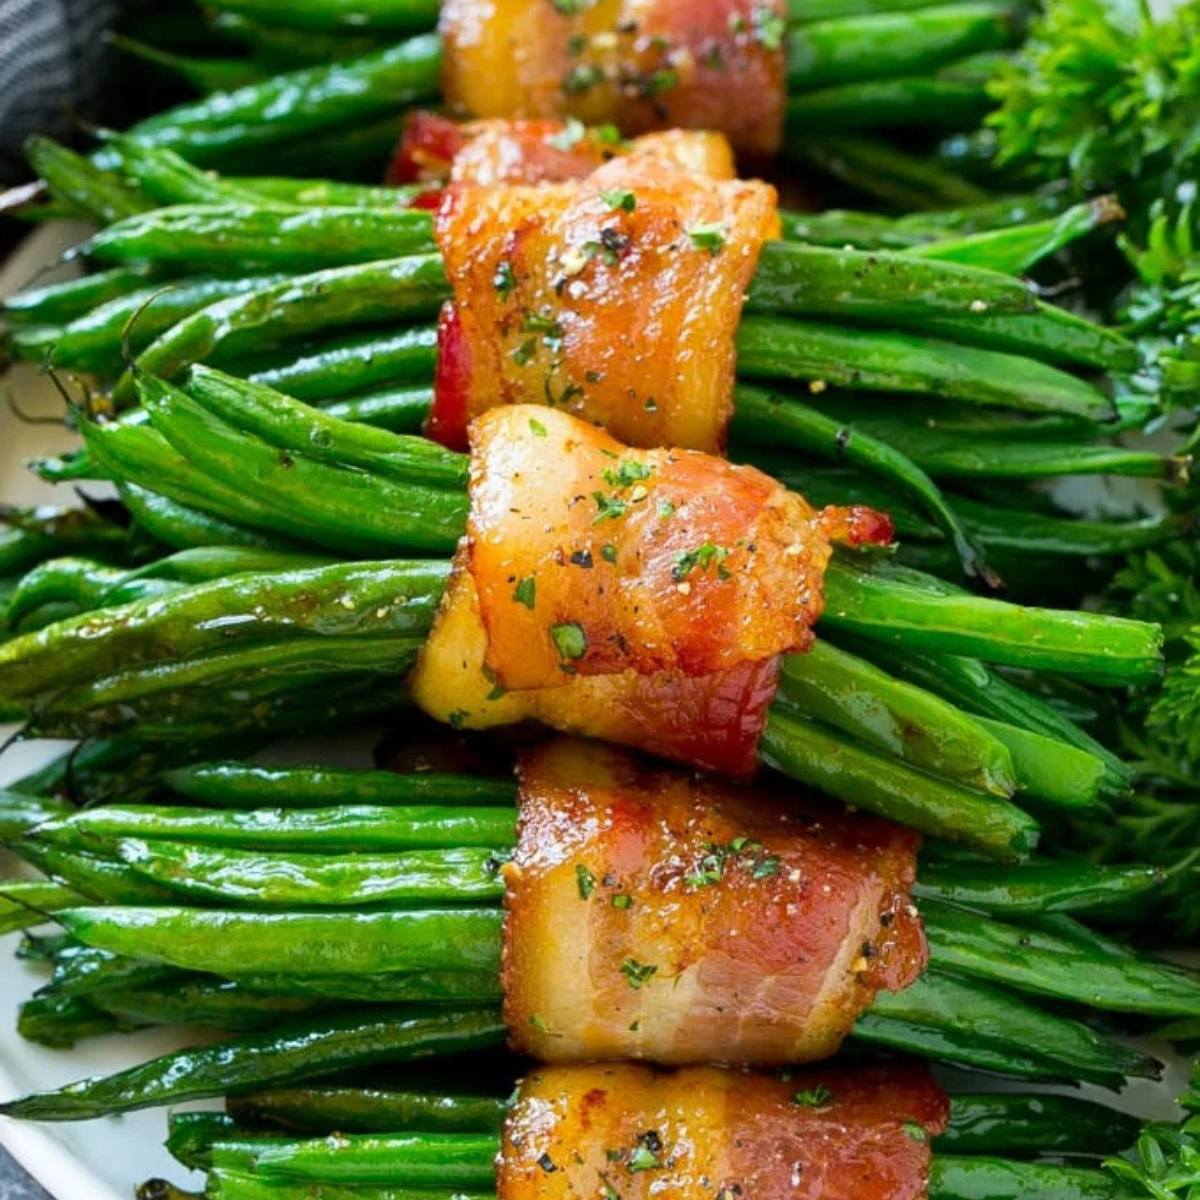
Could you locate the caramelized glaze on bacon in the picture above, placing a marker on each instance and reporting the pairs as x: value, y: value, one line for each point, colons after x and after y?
x: 580, y: 1132
x: 657, y: 915
x: 617, y: 297
x: 640, y: 64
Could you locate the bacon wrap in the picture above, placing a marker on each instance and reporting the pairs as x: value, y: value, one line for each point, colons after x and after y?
x: 639, y: 64
x: 709, y: 1134
x: 657, y: 915
x: 564, y: 296
x: 496, y: 152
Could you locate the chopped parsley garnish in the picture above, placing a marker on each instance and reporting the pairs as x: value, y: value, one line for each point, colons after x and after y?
x: 571, y: 8
x: 816, y: 1097
x: 537, y: 323
x: 657, y: 82
x: 607, y: 1191
x: 702, y: 557
x: 585, y: 880
x: 665, y: 509
x: 574, y: 131
x: 609, y: 508
x: 626, y: 473
x: 708, y: 237
x: 915, y: 1131
x: 637, y: 974
x: 645, y: 1155
x: 608, y: 552
x: 769, y: 27
x: 538, y: 1023
x: 580, y: 78
x: 457, y: 717
x: 739, y: 851
x: 526, y: 592
x: 524, y: 352
x: 536, y: 427
x: 569, y: 640
x: 610, y: 135
x: 621, y: 900
x: 504, y: 279
x: 619, y: 199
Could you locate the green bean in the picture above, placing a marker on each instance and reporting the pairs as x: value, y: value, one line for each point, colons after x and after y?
x: 774, y: 348
x: 347, y: 828
x: 395, y: 598
x: 212, y: 1003
x: 828, y: 685
x: 242, y: 785
x: 229, y: 942
x: 900, y: 611
x: 322, y: 192
x: 873, y: 104
x: 185, y: 528
x: 293, y: 426
x: 35, y: 534
x: 351, y: 364
x: 999, y: 1179
x: 1035, y: 960
x: 394, y: 1160
x: 94, y: 192
x: 794, y: 279
x: 81, y: 581
x: 395, y: 290
x: 989, y: 213
x: 83, y: 970
x: 970, y: 1022
x: 203, y: 74
x: 882, y: 44
x: 1012, y: 1123
x: 261, y: 879
x: 168, y: 178
x: 800, y: 11
x: 367, y: 1110
x: 768, y: 417
x: 385, y: 16
x: 342, y: 509
x: 192, y: 1135
x: 402, y: 410
x: 300, y: 1050
x: 1036, y: 888
x: 61, y: 303
x: 847, y: 227
x: 446, y: 987
x: 60, y: 1021
x: 85, y: 872
x: 26, y: 902
x: 284, y: 48
x: 20, y: 813
x: 855, y: 774
x: 351, y: 150
x: 1059, y: 775
x: 261, y: 236
x: 1019, y: 247
x: 225, y: 1184
x: 303, y: 102
x: 202, y: 563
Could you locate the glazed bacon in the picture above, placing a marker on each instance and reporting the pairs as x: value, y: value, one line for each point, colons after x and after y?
x: 709, y: 1134
x: 491, y: 153
x: 639, y: 64
x: 638, y: 595
x: 653, y: 914
x: 617, y: 297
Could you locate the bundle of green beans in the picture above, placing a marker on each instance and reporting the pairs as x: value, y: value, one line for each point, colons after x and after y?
x: 379, y: 889
x: 396, y: 1139
x: 940, y: 318
x: 187, y: 661
x: 851, y: 65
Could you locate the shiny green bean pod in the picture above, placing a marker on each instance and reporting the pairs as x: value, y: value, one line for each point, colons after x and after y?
x: 225, y: 1184
x: 81, y: 970
x: 1016, y: 1123
x: 969, y: 1178
x: 351, y: 364
x: 284, y: 48
x: 20, y: 812
x: 801, y: 11
x: 168, y: 178
x: 245, y: 785
x: 826, y: 355
x: 848, y: 227
x: 773, y: 419
x: 297, y: 1051
x: 397, y: 598
x: 345, y: 510
x: 1036, y: 888
x: 901, y: 611
x: 203, y: 563
x: 367, y: 1110
x: 88, y: 189
x: 210, y: 1003
x: 97, y: 341
x: 203, y: 74
x: 81, y: 581
x: 97, y: 877
x: 402, y: 410
x: 1058, y: 775
x: 408, y: 987
x: 990, y: 213
x: 192, y: 1135
x: 395, y: 290
x: 843, y: 768
x: 299, y: 104
x: 26, y: 902
x: 352, y: 150
x: 347, y: 828
x: 290, y: 425
x: 1017, y: 248
x: 258, y: 235
x: 59, y: 1022
x: 874, y: 104
x: 882, y: 44
x: 318, y: 193
x: 229, y: 942
x: 264, y: 879
x: 383, y: 16
x: 846, y: 692
x: 185, y: 528
x: 970, y: 1022
x: 47, y: 531
x: 62, y: 303
x: 1034, y: 960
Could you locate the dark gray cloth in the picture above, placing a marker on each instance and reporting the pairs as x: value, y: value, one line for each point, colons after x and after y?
x: 51, y: 53
x: 15, y: 1184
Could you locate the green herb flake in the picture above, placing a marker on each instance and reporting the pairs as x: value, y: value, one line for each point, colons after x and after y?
x: 915, y: 1131
x: 457, y: 717
x: 665, y: 509
x: 585, y: 881
x: 708, y: 237
x: 646, y: 1155
x: 581, y: 78
x: 626, y: 473
x: 637, y: 974
x: 817, y: 1097
x: 569, y: 640
x: 539, y: 1024
x: 609, y: 508
x: 536, y: 427
x: 769, y: 27
x: 526, y: 592
x: 572, y: 133
x: 572, y: 8
x: 621, y: 900
x: 524, y: 352
x: 505, y: 279
x: 619, y: 199
x: 608, y: 552
x: 701, y: 558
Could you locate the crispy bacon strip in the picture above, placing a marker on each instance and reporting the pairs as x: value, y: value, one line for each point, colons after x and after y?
x: 617, y: 297
x: 533, y: 151
x: 652, y: 914
x: 640, y: 64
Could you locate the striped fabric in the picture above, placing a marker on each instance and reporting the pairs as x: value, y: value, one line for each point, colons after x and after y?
x: 50, y: 55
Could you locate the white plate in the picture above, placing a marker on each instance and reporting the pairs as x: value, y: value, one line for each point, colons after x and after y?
x: 104, y: 1160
